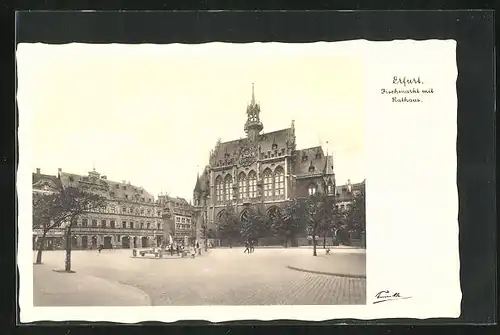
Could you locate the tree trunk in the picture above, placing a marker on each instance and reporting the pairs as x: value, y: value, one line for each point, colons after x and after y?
x: 314, y: 242
x: 40, y: 248
x: 324, y: 241
x: 67, y: 263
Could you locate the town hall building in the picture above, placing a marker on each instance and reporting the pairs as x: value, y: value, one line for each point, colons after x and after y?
x: 263, y: 169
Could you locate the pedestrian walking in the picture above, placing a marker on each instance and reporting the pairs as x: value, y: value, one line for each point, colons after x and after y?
x: 247, y: 247
x: 100, y: 248
x: 193, y: 251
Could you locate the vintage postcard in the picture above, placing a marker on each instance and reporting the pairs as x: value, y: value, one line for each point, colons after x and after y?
x: 224, y: 181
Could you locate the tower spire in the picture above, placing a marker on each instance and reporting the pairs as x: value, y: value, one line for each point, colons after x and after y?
x: 253, y: 94
x: 253, y: 126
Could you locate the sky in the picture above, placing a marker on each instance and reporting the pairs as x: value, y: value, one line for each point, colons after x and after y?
x: 150, y: 114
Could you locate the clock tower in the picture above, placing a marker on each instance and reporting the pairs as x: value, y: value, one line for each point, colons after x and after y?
x: 253, y: 126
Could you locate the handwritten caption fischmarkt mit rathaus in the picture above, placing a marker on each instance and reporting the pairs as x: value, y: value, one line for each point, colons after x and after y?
x: 407, y: 90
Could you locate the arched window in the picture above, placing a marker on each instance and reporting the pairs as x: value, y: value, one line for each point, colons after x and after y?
x: 218, y: 189
x: 242, y: 186
x: 279, y: 183
x: 228, y: 187
x: 312, y: 189
x: 274, y: 214
x: 268, y: 184
x: 330, y: 188
x: 252, y: 184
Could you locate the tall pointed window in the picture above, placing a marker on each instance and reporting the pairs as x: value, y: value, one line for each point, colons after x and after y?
x: 218, y: 189
x: 242, y: 186
x: 252, y: 184
x: 268, y: 185
x: 228, y: 187
x: 330, y: 188
x: 279, y: 183
x: 312, y: 189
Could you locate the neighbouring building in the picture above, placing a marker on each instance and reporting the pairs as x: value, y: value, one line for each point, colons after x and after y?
x: 131, y: 219
x: 264, y: 169
x: 345, y: 194
x: 183, y: 227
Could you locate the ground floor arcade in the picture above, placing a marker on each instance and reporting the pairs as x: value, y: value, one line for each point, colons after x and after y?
x: 93, y: 241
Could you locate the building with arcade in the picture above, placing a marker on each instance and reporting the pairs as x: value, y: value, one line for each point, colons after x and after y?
x: 130, y: 219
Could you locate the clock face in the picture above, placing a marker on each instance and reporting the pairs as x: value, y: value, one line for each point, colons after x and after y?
x: 248, y: 156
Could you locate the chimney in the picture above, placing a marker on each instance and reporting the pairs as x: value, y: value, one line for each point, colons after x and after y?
x: 59, y: 170
x: 37, y: 170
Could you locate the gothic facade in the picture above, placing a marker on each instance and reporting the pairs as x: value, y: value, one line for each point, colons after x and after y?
x: 264, y: 169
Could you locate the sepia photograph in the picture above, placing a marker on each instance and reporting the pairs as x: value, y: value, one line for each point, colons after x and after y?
x: 181, y: 177
x: 252, y: 166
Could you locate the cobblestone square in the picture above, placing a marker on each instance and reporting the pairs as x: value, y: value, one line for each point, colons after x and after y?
x: 273, y: 276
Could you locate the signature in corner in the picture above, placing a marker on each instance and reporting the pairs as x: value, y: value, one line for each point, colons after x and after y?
x: 386, y: 295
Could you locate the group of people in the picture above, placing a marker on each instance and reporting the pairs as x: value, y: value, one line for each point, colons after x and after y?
x: 178, y: 248
x: 249, y: 246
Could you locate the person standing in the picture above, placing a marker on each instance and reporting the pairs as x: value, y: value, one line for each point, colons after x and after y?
x: 247, y: 247
x: 193, y: 251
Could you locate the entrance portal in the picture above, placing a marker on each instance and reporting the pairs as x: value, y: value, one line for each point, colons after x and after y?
x: 145, y: 242
x: 126, y: 242
x: 107, y: 242
x: 94, y: 242
x: 85, y: 242
x: 74, y: 242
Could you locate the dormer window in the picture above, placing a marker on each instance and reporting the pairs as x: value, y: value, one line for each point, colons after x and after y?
x: 275, y: 146
x: 311, y: 168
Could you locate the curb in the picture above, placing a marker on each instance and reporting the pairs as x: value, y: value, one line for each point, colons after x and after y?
x: 327, y: 273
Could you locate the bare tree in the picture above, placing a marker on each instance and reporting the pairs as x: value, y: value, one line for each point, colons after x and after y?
x: 319, y: 212
x: 62, y: 210
x: 228, y: 225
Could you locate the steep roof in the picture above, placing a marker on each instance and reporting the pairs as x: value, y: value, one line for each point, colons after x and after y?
x: 342, y: 191
x: 111, y: 188
x: 39, y: 180
x: 305, y: 158
x: 230, y: 150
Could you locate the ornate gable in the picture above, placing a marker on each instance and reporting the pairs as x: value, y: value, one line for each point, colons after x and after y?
x: 45, y: 186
